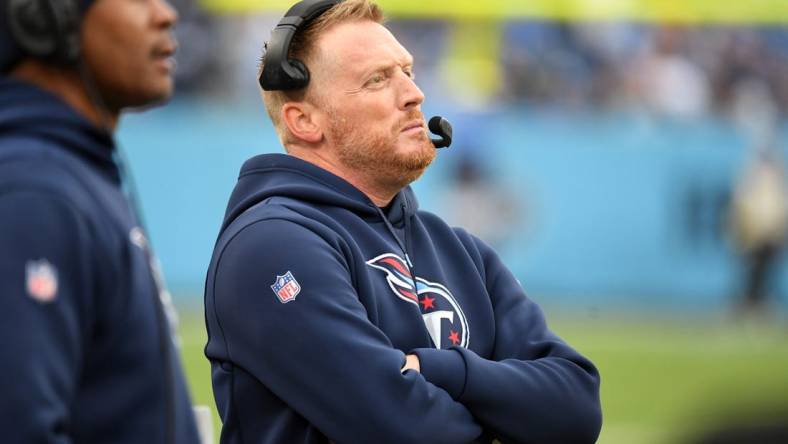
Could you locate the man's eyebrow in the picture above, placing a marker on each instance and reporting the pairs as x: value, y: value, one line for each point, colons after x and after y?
x: 408, y: 61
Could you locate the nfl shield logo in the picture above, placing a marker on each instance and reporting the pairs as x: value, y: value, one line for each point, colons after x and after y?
x: 41, y: 280
x: 286, y: 287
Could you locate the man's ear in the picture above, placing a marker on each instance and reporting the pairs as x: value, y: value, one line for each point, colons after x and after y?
x: 301, y: 120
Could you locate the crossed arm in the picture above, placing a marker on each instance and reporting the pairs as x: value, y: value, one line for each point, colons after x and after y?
x: 344, y: 376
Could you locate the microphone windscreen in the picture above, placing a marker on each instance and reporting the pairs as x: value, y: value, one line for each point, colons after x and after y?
x: 441, y: 127
x: 435, y: 124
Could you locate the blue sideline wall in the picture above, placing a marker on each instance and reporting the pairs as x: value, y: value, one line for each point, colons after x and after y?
x: 619, y: 209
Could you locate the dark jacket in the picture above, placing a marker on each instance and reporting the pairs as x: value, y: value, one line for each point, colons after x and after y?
x: 314, y: 296
x: 88, y: 356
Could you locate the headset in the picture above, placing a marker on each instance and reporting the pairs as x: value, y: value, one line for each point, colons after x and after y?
x: 47, y: 29
x: 281, y: 73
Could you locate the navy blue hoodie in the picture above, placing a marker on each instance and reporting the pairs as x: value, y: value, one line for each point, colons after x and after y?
x: 87, y: 355
x: 314, y: 296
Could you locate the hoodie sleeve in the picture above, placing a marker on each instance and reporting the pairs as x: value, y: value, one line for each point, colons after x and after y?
x: 318, y: 352
x: 43, y: 287
x: 534, y: 388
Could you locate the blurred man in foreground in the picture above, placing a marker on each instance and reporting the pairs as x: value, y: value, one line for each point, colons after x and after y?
x: 336, y: 310
x: 88, y: 356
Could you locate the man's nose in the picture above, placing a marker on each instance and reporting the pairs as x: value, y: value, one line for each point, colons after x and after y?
x: 166, y: 15
x: 411, y: 94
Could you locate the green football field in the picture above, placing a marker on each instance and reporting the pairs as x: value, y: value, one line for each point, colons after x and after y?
x: 663, y: 380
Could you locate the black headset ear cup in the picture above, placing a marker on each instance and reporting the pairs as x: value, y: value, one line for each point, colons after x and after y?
x: 46, y: 29
x: 281, y: 73
x: 31, y: 27
x: 301, y: 75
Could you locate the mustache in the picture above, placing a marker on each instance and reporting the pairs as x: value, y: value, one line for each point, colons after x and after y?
x: 411, y: 116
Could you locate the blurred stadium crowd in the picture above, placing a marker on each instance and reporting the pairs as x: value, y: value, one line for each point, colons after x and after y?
x: 671, y: 70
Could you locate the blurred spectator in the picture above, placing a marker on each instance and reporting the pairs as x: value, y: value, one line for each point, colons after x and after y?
x: 542, y: 63
x: 479, y: 205
x: 705, y: 213
x: 760, y: 224
x: 667, y: 81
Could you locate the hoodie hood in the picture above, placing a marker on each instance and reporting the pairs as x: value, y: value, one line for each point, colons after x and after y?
x: 26, y: 110
x: 282, y: 175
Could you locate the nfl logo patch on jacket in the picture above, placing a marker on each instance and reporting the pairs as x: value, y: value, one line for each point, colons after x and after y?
x: 286, y: 287
x: 41, y: 281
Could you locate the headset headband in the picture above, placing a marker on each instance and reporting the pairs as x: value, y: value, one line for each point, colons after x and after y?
x: 279, y: 72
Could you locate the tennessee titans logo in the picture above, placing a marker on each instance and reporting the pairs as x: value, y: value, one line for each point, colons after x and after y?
x: 443, y: 316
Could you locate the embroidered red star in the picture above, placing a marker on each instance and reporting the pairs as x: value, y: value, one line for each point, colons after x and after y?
x: 454, y: 337
x: 427, y: 302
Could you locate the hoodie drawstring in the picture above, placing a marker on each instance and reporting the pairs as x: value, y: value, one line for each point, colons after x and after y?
x: 402, y: 246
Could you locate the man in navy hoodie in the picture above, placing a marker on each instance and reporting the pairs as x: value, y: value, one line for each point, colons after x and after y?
x: 84, y: 334
x: 337, y: 311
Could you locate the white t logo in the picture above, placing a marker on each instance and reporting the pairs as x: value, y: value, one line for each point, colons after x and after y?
x: 433, y: 322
